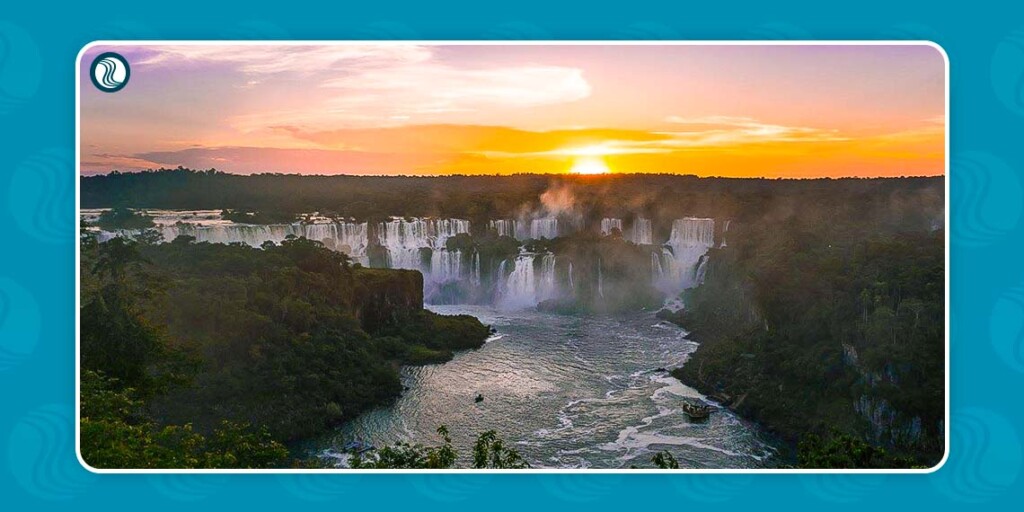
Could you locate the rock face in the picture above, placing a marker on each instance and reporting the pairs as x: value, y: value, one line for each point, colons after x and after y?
x: 386, y: 297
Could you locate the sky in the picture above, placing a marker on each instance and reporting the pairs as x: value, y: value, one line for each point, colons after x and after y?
x: 715, y: 110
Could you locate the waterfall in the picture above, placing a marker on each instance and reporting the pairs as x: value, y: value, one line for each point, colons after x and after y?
x: 406, y: 241
x: 642, y: 232
x: 600, y: 280
x: 572, y: 286
x: 548, y: 284
x: 725, y: 229
x: 445, y: 265
x: 520, y: 289
x: 347, y: 237
x: 546, y: 227
x: 682, y: 255
x: 608, y: 225
x: 657, y: 271
x: 505, y: 227
x: 525, y: 286
x: 474, y: 270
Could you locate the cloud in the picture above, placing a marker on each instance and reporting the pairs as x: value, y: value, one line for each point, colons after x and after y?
x: 275, y: 59
x: 480, y: 139
x: 376, y: 84
x: 731, y: 130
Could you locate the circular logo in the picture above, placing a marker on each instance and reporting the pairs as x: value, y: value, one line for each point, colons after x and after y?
x: 110, y: 72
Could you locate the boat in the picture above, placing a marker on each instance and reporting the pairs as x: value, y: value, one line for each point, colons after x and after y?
x: 479, y: 398
x: 357, y: 447
x: 696, y: 409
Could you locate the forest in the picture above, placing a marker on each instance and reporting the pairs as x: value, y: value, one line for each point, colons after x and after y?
x: 211, y: 355
x: 820, y: 314
x: 824, y: 330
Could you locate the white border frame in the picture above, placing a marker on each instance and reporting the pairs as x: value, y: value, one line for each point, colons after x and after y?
x: 78, y: 262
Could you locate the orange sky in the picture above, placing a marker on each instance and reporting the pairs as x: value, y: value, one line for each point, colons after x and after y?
x: 775, y: 111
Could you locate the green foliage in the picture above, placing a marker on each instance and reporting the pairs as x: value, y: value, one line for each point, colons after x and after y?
x: 489, y: 452
x: 409, y: 456
x: 291, y: 337
x: 800, y: 327
x: 665, y: 460
x: 118, y: 218
x: 843, y: 451
x: 116, y: 432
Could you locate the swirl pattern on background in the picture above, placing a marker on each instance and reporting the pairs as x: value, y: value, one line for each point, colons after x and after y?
x: 20, y: 323
x: 648, y: 30
x: 388, y: 30
x: 255, y: 29
x: 711, y: 488
x: 42, y: 457
x: 315, y: 487
x: 580, y: 488
x: 1007, y: 72
x: 1006, y: 328
x: 984, y: 457
x: 41, y: 197
x: 779, y: 31
x: 20, y: 67
x: 986, y: 205
x: 181, y: 487
x: 450, y: 488
x: 518, y: 30
x: 841, y: 488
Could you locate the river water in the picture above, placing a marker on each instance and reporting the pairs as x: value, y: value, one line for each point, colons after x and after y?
x: 567, y: 392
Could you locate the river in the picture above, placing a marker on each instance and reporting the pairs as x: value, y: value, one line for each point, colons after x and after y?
x: 567, y: 392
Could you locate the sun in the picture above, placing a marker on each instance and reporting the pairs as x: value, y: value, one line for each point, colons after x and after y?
x: 589, y: 165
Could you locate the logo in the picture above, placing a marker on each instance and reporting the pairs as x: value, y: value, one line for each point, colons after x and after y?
x: 110, y: 72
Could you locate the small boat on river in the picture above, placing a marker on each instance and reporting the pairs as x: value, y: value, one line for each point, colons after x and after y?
x: 696, y: 409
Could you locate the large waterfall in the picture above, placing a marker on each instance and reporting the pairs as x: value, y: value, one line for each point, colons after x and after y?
x: 453, y: 275
x: 682, y: 255
x: 505, y: 227
x: 546, y: 227
x: 527, y: 285
x: 608, y: 225
x: 348, y: 237
x: 642, y: 232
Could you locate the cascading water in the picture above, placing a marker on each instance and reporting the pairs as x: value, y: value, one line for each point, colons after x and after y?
x: 348, y: 237
x: 642, y: 232
x: 608, y: 225
x: 546, y: 227
x: 505, y: 227
x: 474, y: 270
x: 682, y: 255
x: 526, y: 287
x: 725, y: 229
x: 520, y: 290
x: 406, y: 241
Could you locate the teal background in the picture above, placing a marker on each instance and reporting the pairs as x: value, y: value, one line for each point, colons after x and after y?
x: 38, y: 45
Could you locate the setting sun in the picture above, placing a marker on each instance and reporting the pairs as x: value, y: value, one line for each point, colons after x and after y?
x: 589, y: 165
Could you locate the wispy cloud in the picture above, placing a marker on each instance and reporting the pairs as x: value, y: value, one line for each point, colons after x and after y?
x: 365, y: 85
x: 732, y: 130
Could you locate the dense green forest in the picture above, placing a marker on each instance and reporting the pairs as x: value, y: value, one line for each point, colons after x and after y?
x: 826, y: 326
x: 193, y: 353
x: 481, y: 198
x: 822, y: 317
